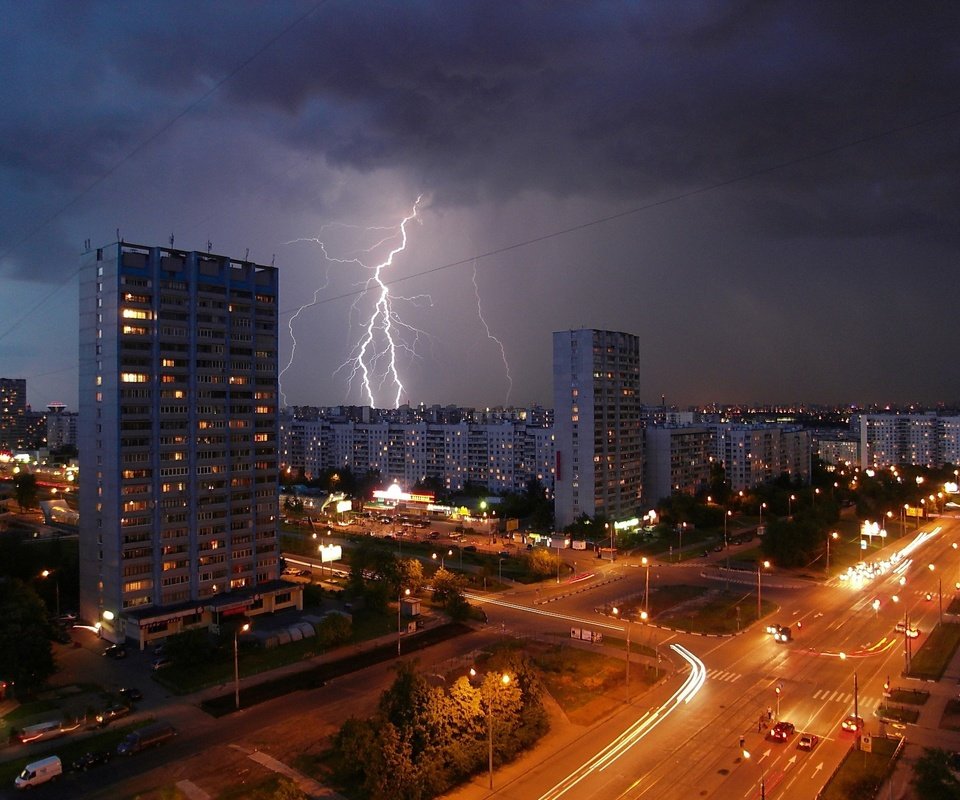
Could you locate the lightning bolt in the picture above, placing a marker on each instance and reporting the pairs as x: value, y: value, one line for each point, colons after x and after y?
x: 503, y: 352
x: 373, y: 358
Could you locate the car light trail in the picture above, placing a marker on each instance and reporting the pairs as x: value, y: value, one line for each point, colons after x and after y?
x: 555, y: 615
x: 639, y: 729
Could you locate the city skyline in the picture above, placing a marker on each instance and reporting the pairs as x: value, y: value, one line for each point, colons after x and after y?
x: 761, y: 194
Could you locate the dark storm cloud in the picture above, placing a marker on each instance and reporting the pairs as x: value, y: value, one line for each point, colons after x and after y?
x: 821, y: 124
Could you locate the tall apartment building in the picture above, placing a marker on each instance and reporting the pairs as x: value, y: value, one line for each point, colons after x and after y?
x: 61, y: 427
x: 178, y: 439
x: 755, y: 454
x: 597, y: 427
x: 926, y: 440
x: 678, y: 459
x: 13, y: 413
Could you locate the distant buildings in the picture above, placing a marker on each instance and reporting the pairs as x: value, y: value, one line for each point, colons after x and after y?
x: 503, y: 452
x: 20, y: 428
x: 178, y: 441
x: 925, y: 440
x: 61, y: 427
x: 597, y: 428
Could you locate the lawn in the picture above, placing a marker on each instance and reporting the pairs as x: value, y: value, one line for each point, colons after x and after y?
x: 860, y: 770
x: 931, y: 660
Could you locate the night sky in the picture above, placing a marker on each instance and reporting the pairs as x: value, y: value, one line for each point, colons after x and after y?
x: 765, y: 192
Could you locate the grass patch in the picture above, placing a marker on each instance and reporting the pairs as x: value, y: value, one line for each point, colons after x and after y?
x: 33, y: 709
x: 317, y: 675
x: 954, y: 607
x: 951, y: 716
x: 266, y: 788
x: 913, y: 697
x: 185, y: 679
x: 860, y: 774
x: 931, y: 660
x: 721, y: 613
x: 897, y: 713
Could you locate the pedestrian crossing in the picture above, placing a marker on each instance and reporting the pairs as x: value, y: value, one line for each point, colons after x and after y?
x: 724, y: 675
x: 828, y: 696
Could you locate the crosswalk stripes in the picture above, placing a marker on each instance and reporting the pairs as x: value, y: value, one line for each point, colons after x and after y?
x: 828, y: 696
x: 724, y: 675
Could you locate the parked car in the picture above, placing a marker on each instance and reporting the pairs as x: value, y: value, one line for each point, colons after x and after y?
x: 91, y: 759
x: 115, y: 651
x: 781, y: 731
x: 130, y: 694
x: 808, y: 741
x: 160, y: 663
x: 46, y: 769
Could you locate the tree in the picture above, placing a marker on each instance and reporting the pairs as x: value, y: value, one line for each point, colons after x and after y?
x: 932, y: 777
x: 26, y: 658
x: 25, y: 490
x: 288, y: 790
x: 334, y: 629
x: 541, y: 562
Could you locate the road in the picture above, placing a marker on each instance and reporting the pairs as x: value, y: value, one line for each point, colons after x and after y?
x: 680, y: 739
x: 696, y: 752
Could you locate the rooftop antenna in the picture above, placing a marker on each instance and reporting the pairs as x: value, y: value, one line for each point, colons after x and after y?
x: 246, y: 256
x: 118, y: 235
x: 171, y: 240
x: 273, y: 260
x: 209, y: 245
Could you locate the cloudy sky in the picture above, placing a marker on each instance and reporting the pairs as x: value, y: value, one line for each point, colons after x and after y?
x: 765, y: 192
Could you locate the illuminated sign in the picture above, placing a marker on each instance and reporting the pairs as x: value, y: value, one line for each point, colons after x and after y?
x: 396, y: 495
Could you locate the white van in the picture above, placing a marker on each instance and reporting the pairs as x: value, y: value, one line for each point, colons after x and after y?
x: 46, y: 769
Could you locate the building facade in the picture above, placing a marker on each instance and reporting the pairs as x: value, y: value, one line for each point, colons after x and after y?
x: 756, y: 453
x: 503, y: 457
x: 597, y: 425
x: 677, y: 460
x: 924, y: 440
x: 13, y: 413
x: 178, y: 440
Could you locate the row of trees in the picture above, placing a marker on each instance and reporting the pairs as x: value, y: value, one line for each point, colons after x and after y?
x: 423, y: 740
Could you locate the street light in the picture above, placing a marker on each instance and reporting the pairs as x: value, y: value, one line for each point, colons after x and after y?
x: 236, y: 662
x: 504, y: 681
x: 56, y: 586
x: 616, y: 613
x: 726, y: 514
x: 834, y: 535
x: 790, y: 500
x: 765, y: 565
x: 500, y: 569
x: 400, y: 596
x: 762, y: 506
x: 645, y: 563
x: 763, y: 776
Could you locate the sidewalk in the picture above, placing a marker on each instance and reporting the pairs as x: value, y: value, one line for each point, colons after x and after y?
x: 926, y: 733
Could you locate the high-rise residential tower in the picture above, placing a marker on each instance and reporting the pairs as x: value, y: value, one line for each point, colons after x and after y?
x: 599, y: 440
x: 177, y: 440
x: 13, y: 413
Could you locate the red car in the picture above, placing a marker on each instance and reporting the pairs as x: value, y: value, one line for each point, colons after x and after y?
x: 781, y: 731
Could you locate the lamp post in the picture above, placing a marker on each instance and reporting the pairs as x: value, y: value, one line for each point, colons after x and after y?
x: 504, y: 681
x: 616, y: 613
x: 645, y: 563
x: 762, y: 506
x: 400, y: 596
x: 764, y: 565
x: 790, y: 499
x: 500, y: 569
x: 613, y: 552
x: 763, y: 776
x: 779, y: 691
x: 726, y: 513
x: 236, y: 662
x: 56, y: 586
x: 683, y: 525
x: 833, y: 535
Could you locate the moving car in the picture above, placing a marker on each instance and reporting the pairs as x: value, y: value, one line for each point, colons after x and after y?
x: 115, y: 651
x: 110, y: 713
x: 781, y: 731
x: 912, y: 632
x: 852, y: 723
x: 808, y: 741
